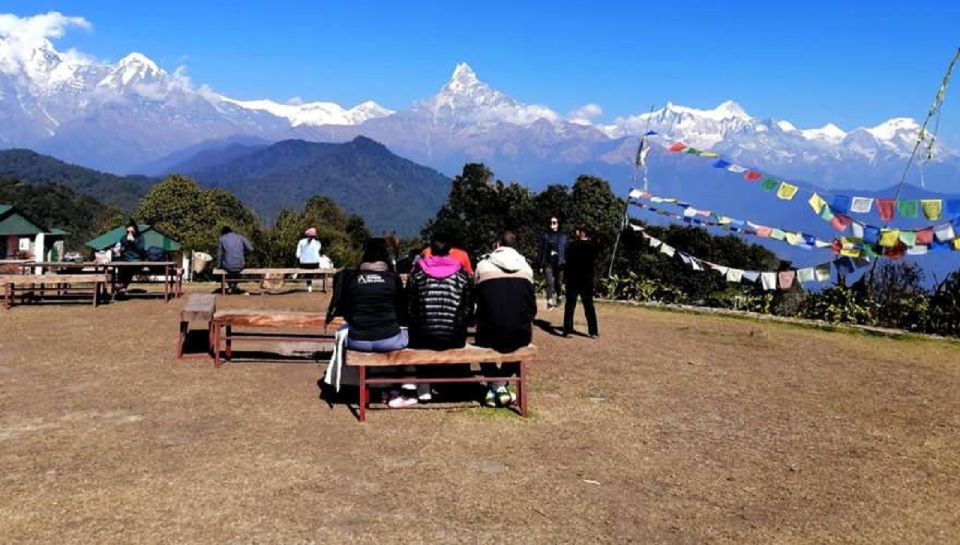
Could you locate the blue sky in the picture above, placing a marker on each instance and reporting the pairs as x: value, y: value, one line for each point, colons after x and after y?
x: 810, y: 63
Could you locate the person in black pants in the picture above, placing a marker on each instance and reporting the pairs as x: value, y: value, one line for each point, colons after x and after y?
x: 581, y: 256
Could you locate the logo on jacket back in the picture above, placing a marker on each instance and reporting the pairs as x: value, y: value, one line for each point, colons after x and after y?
x: 370, y: 279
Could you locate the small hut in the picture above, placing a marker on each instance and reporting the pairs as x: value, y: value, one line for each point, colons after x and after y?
x: 23, y: 238
x: 151, y: 237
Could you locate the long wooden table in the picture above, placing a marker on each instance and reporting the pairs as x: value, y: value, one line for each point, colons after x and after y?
x: 310, y: 327
x: 172, y: 275
x: 287, y: 274
x: 61, y: 284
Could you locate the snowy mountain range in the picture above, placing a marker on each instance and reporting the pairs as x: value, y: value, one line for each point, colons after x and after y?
x: 123, y: 116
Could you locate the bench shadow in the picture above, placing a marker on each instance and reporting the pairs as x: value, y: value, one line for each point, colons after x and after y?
x: 446, y: 397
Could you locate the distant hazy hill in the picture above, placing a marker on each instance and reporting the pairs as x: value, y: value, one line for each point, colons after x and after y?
x: 363, y: 176
x: 31, y: 167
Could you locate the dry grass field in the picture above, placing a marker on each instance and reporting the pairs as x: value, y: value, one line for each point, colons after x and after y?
x: 671, y: 428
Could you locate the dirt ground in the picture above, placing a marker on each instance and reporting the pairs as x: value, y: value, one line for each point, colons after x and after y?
x: 672, y: 428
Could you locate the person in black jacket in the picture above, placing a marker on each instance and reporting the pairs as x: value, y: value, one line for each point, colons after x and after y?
x: 438, y: 294
x: 372, y: 301
x: 551, y: 260
x: 131, y: 247
x: 581, y: 259
x: 506, y: 306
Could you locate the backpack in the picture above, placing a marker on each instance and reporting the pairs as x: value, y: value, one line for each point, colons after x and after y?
x: 155, y: 253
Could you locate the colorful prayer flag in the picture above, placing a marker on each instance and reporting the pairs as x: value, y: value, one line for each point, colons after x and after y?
x: 908, y: 237
x: 925, y: 236
x: 677, y: 147
x: 856, y: 229
x: 907, y: 208
x: 751, y: 276
x: 861, y: 205
x: 786, y: 279
x: 805, y: 275
x: 944, y: 233
x: 826, y: 214
x: 885, y: 209
x: 871, y: 234
x: 709, y: 154
x: 786, y: 191
x: 769, y: 184
x: 736, y: 168
x: 769, y: 280
x: 822, y: 272
x: 889, y: 237
x: 668, y: 250
x: 734, y: 275
x: 817, y: 203
x: 753, y: 176
x: 778, y: 234
x: 932, y: 208
x: 841, y: 204
x: 840, y: 222
x: 720, y: 163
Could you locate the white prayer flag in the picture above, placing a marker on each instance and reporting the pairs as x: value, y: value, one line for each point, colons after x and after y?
x: 861, y: 205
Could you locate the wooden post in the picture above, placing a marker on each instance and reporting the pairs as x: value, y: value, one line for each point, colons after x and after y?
x: 216, y: 344
x: 8, y: 295
x: 228, y: 339
x: 184, y: 326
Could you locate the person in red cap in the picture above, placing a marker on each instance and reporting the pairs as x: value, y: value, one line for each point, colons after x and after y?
x: 308, y: 252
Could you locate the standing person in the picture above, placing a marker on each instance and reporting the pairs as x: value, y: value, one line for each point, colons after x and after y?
x: 551, y: 259
x: 231, y: 254
x: 506, y: 307
x: 581, y: 258
x: 131, y: 247
x: 308, y: 253
x: 438, y: 293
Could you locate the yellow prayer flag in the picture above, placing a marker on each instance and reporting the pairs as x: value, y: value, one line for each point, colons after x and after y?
x: 889, y: 237
x: 956, y: 244
x: 794, y: 238
x: 817, y: 203
x: 709, y: 154
x: 786, y: 191
x: 932, y: 208
x: 850, y: 252
x: 724, y: 220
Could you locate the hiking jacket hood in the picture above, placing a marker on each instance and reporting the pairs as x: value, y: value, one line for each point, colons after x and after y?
x: 438, y: 293
x: 439, y: 267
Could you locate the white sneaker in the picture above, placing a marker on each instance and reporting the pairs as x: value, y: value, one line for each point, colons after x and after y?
x: 402, y: 402
x: 424, y: 393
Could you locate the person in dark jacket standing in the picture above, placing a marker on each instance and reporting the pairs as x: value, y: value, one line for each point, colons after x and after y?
x: 506, y: 306
x: 551, y: 259
x: 131, y: 247
x: 581, y: 259
x: 231, y: 254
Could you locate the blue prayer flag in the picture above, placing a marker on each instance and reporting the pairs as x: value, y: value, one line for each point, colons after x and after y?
x: 840, y: 204
x: 721, y: 164
x: 871, y: 234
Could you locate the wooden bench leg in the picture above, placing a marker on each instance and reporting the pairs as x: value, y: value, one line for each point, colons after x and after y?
x: 216, y: 345
x: 523, y: 388
x: 223, y: 284
x: 364, y: 393
x: 210, y: 342
x: 228, y: 340
x: 7, y: 296
x: 184, y: 327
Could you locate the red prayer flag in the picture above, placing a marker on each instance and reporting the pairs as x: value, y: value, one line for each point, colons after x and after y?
x: 678, y: 147
x: 840, y: 222
x: 885, y: 208
x: 752, y: 176
x: 895, y: 253
x: 925, y: 236
x: 836, y: 246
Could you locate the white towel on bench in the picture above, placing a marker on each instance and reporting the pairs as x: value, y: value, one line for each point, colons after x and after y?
x: 336, y: 374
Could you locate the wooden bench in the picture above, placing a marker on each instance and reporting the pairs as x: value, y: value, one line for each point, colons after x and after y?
x: 287, y: 274
x: 60, y: 284
x: 199, y: 307
x: 469, y: 354
x: 313, y: 325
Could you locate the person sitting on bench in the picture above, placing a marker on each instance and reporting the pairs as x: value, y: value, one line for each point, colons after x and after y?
x: 506, y: 306
x: 130, y: 248
x: 231, y: 254
x: 438, y: 293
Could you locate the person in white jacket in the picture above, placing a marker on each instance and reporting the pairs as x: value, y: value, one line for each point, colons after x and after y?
x: 308, y: 252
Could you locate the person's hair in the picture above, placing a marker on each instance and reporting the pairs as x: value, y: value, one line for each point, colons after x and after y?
x: 135, y: 225
x: 555, y: 218
x: 375, y: 249
x: 508, y: 239
x: 582, y: 228
x: 439, y: 246
x: 226, y: 229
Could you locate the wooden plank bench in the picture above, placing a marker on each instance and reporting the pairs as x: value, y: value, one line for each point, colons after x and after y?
x: 313, y: 325
x: 287, y: 274
x: 469, y: 354
x: 60, y: 284
x: 199, y: 307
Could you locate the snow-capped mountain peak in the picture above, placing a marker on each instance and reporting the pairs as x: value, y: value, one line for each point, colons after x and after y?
x: 314, y: 113
x: 829, y: 133
x: 895, y: 127
x: 463, y: 79
x: 134, y: 69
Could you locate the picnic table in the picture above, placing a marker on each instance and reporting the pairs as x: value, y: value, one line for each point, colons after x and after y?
x: 268, y: 326
x: 39, y: 285
x: 286, y: 274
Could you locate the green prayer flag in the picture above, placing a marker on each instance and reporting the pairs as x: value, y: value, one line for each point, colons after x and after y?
x: 826, y: 214
x: 693, y: 151
x: 909, y: 238
x: 907, y: 209
x: 870, y: 251
x: 769, y: 184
